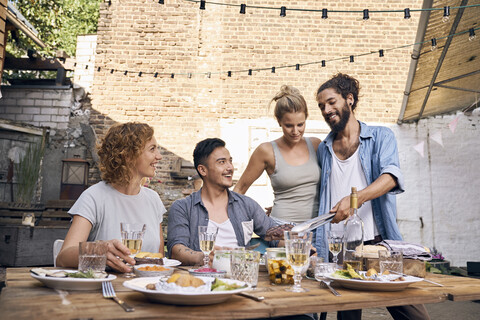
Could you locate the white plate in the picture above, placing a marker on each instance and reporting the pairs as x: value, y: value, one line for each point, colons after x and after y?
x: 72, y: 283
x: 183, y: 298
x: 371, y: 285
x: 171, y: 262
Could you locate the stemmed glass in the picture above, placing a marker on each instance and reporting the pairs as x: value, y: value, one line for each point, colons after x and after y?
x: 335, y: 244
x: 206, y: 237
x: 297, y: 247
x: 132, y: 238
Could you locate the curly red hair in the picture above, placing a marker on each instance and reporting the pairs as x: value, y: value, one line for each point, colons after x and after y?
x: 119, y: 150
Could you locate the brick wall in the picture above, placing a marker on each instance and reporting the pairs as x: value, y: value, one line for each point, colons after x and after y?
x: 39, y: 107
x: 85, y: 58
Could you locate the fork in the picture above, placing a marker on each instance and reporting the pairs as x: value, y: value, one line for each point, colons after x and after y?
x: 327, y: 283
x: 109, y: 293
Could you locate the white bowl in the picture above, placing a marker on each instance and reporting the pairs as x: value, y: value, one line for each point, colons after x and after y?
x: 143, y: 273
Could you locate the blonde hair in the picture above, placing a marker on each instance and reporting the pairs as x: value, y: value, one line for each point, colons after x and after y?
x: 288, y: 100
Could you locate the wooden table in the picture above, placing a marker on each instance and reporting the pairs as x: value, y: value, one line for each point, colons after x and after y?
x: 26, y: 298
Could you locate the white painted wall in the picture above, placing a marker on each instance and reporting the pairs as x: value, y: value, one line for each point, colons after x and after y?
x: 442, y: 188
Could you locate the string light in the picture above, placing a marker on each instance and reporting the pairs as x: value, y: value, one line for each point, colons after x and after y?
x: 209, y: 75
x: 273, y: 69
x: 98, y: 69
x: 161, y: 1
x: 380, y: 53
x: 243, y: 8
x: 249, y: 72
x: 446, y: 14
x: 172, y: 75
x: 324, y: 13
x: 125, y: 73
x: 86, y: 66
x: 352, y: 59
x: 324, y: 63
x: 366, y: 15
x: 140, y: 73
x: 434, y: 44
x: 189, y: 75
x: 111, y: 70
x: 406, y: 13
x: 229, y: 73
x: 297, y: 66
x: 283, y: 11
x: 471, y: 34
x: 202, y: 5
x: 155, y: 75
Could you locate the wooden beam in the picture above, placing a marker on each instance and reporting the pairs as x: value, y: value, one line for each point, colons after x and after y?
x: 35, y: 64
x: 456, y: 88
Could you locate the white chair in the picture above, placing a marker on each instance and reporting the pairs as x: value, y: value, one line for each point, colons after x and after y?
x: 57, y: 245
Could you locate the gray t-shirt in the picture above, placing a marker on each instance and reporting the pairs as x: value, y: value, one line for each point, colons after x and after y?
x: 105, y: 208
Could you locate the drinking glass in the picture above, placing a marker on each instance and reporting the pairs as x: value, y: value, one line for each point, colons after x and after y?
x: 297, y: 247
x: 206, y: 237
x: 391, y: 261
x: 245, y: 266
x: 335, y: 244
x: 132, y: 238
x: 92, y: 256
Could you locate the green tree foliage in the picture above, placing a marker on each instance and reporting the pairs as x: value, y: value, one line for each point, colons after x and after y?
x: 58, y: 22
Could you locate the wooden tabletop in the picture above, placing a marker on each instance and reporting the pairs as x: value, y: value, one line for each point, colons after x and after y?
x: 24, y: 297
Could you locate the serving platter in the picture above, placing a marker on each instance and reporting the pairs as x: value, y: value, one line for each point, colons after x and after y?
x: 171, y: 262
x: 185, y: 297
x: 371, y: 285
x: 72, y: 283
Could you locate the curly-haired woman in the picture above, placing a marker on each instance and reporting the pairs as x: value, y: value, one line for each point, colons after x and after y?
x: 128, y: 153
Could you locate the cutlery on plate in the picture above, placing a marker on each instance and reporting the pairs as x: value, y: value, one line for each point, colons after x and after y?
x: 251, y: 296
x: 109, y: 293
x: 327, y: 283
x: 406, y: 275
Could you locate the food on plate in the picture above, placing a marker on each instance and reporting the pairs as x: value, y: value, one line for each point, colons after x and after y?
x: 206, y: 270
x: 353, y: 274
x: 149, y: 258
x: 153, y: 268
x: 386, y: 272
x: 371, y: 272
x: 90, y: 274
x: 219, y: 285
x: 185, y: 280
x: 280, y: 271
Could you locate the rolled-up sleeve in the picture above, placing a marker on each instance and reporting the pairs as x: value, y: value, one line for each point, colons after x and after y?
x: 389, y: 162
x: 178, y: 231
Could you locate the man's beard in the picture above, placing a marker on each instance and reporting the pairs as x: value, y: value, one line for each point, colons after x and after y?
x: 344, y: 117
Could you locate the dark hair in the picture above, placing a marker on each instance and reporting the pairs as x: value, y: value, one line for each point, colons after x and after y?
x: 203, y: 149
x: 343, y: 85
x: 120, y: 148
x: 289, y: 100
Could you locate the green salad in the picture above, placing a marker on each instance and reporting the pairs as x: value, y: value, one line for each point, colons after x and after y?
x: 219, y: 285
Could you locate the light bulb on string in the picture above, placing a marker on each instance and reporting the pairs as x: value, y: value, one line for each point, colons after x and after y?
x: 249, y: 72
x: 202, y: 5
x: 366, y: 15
x: 446, y: 14
x: 273, y: 69
x: 297, y: 66
x: 381, y: 55
x: 209, y: 75
x: 283, y: 11
x: 243, y: 8
x: 407, y: 13
x: 352, y: 59
x: 229, y: 73
x: 324, y: 63
x: 471, y: 34
x: 434, y: 44
x: 324, y: 13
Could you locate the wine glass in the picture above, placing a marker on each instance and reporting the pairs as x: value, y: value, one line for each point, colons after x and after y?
x: 132, y: 238
x: 335, y: 244
x: 297, y: 247
x: 206, y: 237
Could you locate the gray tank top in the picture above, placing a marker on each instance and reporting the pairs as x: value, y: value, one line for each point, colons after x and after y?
x: 295, y: 187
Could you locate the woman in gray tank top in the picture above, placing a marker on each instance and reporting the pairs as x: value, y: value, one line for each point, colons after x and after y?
x: 290, y: 161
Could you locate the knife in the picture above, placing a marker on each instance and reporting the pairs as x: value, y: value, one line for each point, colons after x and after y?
x: 406, y: 275
x: 251, y: 296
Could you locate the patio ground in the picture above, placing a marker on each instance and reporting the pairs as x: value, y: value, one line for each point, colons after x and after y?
x: 465, y: 310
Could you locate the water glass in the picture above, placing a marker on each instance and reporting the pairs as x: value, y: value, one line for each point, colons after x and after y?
x: 391, y: 261
x: 92, y: 256
x: 245, y: 265
x: 297, y: 247
x: 322, y: 270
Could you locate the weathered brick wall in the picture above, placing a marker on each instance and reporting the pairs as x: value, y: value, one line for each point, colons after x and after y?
x: 39, y: 107
x: 179, y: 38
x: 85, y: 59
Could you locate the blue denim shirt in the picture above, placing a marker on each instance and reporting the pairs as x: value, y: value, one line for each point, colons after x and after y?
x: 185, y: 215
x: 378, y: 155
